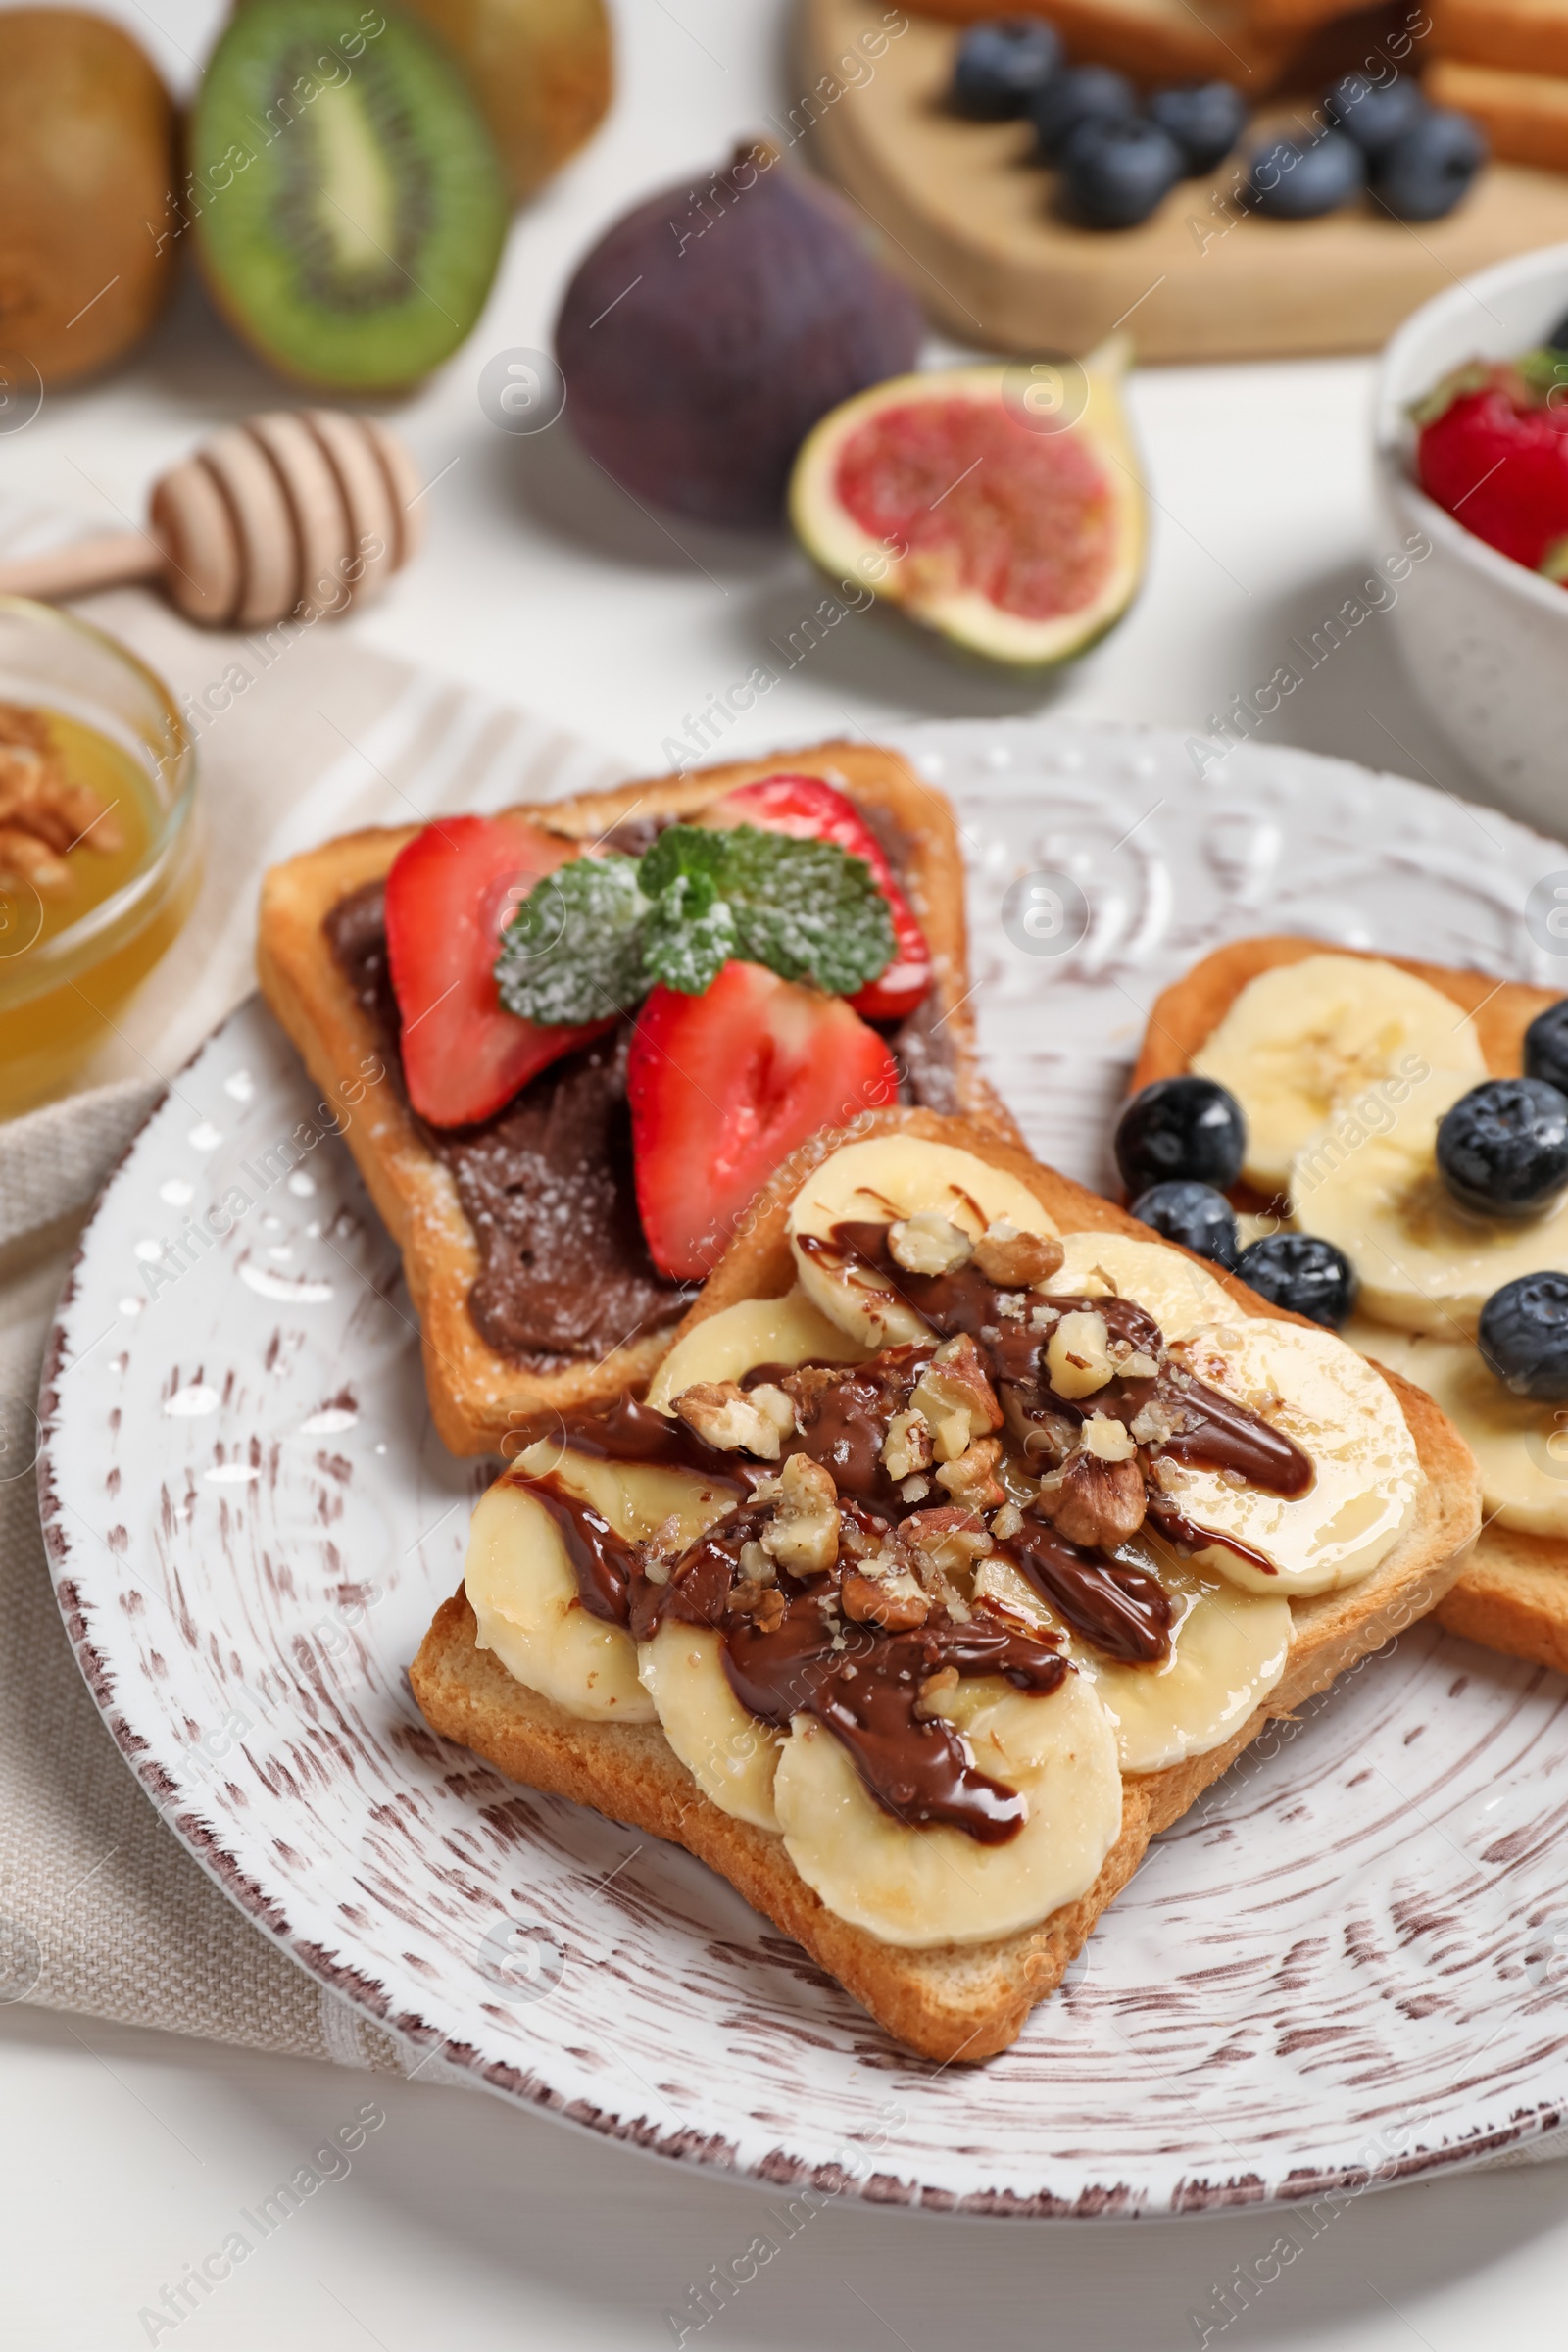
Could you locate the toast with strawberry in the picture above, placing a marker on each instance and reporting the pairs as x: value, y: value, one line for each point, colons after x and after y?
x: 605, y: 1023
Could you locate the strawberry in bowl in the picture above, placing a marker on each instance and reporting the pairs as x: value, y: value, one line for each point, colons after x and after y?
x: 1493, y: 452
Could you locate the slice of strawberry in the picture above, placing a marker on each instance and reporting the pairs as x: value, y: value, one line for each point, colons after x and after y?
x: 725, y: 1085
x: 816, y: 811
x: 451, y: 893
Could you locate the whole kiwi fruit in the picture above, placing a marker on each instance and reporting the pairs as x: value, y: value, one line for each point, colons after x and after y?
x: 88, y: 175
x: 540, y: 68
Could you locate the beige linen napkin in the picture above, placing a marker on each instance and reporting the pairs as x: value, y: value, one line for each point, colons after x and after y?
x: 102, y: 1910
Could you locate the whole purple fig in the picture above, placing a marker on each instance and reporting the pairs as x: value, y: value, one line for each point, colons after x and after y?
x: 710, y: 327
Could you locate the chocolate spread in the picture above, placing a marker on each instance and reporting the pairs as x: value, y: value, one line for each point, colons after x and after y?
x: 547, y: 1185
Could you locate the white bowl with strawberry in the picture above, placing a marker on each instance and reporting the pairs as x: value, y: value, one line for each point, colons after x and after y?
x: 1472, y: 471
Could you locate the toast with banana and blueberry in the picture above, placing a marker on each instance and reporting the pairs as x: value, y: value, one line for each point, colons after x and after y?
x: 1404, y: 1128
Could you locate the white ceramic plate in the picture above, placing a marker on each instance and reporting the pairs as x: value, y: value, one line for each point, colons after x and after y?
x: 1344, y: 1965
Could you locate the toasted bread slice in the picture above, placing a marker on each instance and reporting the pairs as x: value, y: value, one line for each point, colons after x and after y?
x: 951, y: 2001
x: 1165, y: 40
x: 477, y: 1395
x: 1524, y: 36
x: 1513, y: 1593
x: 1524, y: 112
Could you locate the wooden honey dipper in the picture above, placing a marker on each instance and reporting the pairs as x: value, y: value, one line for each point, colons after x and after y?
x: 302, y: 511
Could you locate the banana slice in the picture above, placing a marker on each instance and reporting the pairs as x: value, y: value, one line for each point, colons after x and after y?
x: 1425, y: 1263
x: 1520, y: 1447
x: 892, y: 1176
x: 757, y: 1331
x: 1227, y: 1650
x: 730, y: 1753
x: 1179, y: 1296
x: 523, y: 1593
x: 1305, y: 1038
x: 926, y: 1885
x: 1340, y: 1412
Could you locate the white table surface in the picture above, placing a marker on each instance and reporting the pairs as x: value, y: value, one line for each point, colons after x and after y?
x: 126, y: 2156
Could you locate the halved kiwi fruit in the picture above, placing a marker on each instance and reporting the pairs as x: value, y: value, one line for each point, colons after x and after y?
x: 349, y: 205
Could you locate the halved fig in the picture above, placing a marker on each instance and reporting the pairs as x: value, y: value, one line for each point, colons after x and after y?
x: 1013, y: 527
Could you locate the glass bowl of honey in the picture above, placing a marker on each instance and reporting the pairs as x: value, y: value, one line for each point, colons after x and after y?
x: 98, y: 857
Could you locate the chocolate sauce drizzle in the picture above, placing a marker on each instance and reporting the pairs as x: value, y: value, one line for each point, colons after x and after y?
x: 1207, y: 1429
x: 796, y: 1654
x: 862, y: 1684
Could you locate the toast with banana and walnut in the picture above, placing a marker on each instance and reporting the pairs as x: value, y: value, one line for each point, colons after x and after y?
x: 967, y: 1532
x: 605, y: 1021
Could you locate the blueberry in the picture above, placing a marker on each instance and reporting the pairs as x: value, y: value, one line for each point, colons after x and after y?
x: 1002, y: 65
x: 1203, y: 117
x: 1502, y: 1149
x: 1524, y: 1336
x: 1074, y: 96
x: 1547, y: 1045
x: 1427, y: 170
x: 1374, y: 114
x: 1194, y: 1214
x: 1180, y: 1127
x: 1114, y: 172
x: 1296, y: 179
x: 1297, y: 1270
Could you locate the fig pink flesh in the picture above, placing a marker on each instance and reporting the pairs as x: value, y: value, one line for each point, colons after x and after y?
x: 1028, y: 519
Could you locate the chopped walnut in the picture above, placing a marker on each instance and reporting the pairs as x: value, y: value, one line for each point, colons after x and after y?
x: 885, y: 1592
x: 25, y: 859
x: 42, y: 813
x: 1154, y: 1423
x: 724, y: 1417
x: 914, y: 1490
x: 934, y: 1689
x: 756, y: 1565
x: 1078, y: 1354
x: 1007, y: 1521
x: 907, y: 1448
x: 773, y: 1403
x: 1093, y: 1502
x: 1006, y: 1256
x: 763, y: 1602
x: 945, y: 1541
x: 956, y: 1399
x: 928, y: 1244
x: 972, y: 1480
x: 1140, y: 1367
x: 803, y: 1535
x: 1108, y: 1440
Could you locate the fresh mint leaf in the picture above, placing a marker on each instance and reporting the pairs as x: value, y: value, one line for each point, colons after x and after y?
x: 693, y: 853
x: 593, y: 937
x: 806, y: 909
x: 687, y: 943
x: 691, y: 929
x: 574, y: 951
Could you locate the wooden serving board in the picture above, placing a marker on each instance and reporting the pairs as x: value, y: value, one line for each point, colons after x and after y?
x: 967, y: 221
